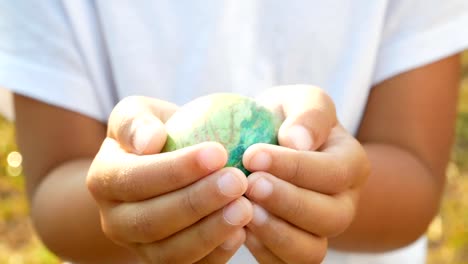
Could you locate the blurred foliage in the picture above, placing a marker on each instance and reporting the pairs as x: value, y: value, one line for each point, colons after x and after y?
x: 460, y: 149
x: 18, y: 244
x: 448, y: 235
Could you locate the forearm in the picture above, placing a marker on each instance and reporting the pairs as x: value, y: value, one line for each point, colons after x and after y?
x: 67, y: 218
x: 396, y: 205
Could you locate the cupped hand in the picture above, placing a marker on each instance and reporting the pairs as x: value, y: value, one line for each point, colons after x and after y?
x: 305, y: 190
x: 175, y: 207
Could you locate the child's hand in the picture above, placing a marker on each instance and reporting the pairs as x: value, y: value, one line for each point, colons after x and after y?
x: 176, y: 207
x: 306, y: 189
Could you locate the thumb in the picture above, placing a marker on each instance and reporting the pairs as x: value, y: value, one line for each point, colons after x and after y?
x: 147, y: 135
x: 309, y: 115
x: 136, y: 123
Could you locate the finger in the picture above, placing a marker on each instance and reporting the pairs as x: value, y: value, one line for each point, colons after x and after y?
x: 225, y: 251
x: 261, y: 253
x: 303, y: 208
x: 199, y: 240
x: 158, y: 218
x: 341, y: 164
x: 120, y: 176
x: 309, y: 115
x: 137, y: 123
x: 287, y: 242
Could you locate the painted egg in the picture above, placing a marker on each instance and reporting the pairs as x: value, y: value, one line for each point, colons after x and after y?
x: 235, y: 121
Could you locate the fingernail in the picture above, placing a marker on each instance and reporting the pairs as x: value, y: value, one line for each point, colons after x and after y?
x: 260, y: 161
x: 230, y: 185
x: 143, y: 130
x: 230, y: 243
x: 210, y: 158
x: 260, y: 215
x: 235, y: 213
x: 262, y: 188
x: 300, y: 137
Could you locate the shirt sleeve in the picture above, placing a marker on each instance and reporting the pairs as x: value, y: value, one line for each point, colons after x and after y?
x: 39, y: 57
x: 418, y: 32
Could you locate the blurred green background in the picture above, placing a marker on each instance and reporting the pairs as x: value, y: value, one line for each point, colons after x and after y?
x: 448, y: 234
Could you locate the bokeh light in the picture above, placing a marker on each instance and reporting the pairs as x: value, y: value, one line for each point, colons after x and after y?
x: 14, y: 160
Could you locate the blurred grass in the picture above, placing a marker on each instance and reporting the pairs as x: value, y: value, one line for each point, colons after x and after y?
x: 448, y: 235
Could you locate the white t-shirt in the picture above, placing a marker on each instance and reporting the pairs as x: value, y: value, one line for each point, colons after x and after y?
x: 87, y: 55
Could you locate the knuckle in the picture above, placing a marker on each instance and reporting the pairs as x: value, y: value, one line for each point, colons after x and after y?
x: 303, y: 165
x: 98, y: 181
x: 349, y: 212
x: 142, y: 227
x: 328, y: 110
x: 154, y: 254
x: 114, y: 182
x: 114, y: 225
x: 296, y: 168
x: 341, y: 220
x: 125, y: 185
x: 109, y: 231
x: 280, y: 237
x: 358, y: 165
x: 296, y: 209
x: 318, y: 112
x: 314, y: 118
x: 172, y: 174
x: 190, y: 203
x: 340, y: 178
x: 160, y: 257
x: 92, y: 183
x: 294, y: 171
x: 327, y: 101
x: 93, y: 176
x: 205, y: 238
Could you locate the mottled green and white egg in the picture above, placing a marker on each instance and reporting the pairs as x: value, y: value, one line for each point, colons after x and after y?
x: 235, y: 121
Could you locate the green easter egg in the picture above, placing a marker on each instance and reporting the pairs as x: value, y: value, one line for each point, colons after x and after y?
x: 235, y: 121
